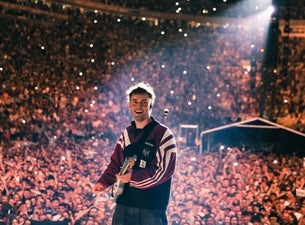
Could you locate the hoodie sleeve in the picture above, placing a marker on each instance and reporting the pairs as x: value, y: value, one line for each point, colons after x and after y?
x: 116, y: 161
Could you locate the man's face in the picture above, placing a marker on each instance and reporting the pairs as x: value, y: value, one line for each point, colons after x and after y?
x: 140, y: 106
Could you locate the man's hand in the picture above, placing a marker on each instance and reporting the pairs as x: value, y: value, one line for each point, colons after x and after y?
x: 98, y: 187
x: 124, y: 178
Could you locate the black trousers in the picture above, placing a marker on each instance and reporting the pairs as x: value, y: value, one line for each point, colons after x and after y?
x: 134, y: 216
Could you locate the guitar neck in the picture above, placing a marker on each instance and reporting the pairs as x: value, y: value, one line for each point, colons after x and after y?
x: 124, y: 167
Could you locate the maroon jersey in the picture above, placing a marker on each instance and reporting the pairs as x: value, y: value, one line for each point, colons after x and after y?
x: 156, y: 161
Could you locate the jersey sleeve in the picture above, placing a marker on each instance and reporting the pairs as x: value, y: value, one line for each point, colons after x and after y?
x: 116, y: 160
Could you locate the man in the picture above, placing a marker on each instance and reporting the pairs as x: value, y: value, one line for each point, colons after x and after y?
x: 151, y: 150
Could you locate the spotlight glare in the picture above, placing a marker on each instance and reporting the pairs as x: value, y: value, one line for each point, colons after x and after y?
x: 271, y: 9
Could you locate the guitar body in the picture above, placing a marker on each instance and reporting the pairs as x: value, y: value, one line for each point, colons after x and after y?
x: 118, y: 186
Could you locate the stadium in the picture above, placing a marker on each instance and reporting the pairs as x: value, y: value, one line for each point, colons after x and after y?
x: 230, y: 73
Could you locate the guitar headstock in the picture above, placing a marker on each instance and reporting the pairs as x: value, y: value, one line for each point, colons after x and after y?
x: 131, y: 161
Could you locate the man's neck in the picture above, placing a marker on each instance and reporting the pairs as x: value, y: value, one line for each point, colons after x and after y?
x: 142, y: 124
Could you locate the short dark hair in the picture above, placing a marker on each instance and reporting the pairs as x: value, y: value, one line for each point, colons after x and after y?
x: 141, y: 88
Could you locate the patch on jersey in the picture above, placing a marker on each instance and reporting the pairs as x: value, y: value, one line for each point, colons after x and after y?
x: 142, y: 164
x: 145, y: 152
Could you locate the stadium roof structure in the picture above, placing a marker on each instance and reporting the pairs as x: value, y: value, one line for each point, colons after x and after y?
x: 257, y: 134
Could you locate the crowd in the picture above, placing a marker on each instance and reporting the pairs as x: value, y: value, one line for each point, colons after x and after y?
x: 54, y: 185
x: 55, y: 77
x: 61, y: 111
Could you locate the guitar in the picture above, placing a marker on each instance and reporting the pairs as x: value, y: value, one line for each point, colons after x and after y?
x: 118, y: 186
